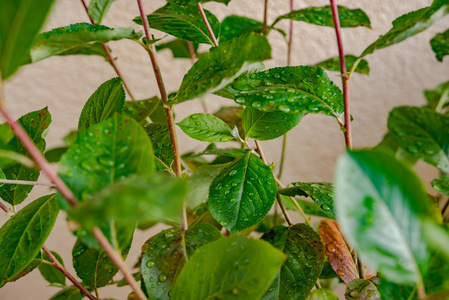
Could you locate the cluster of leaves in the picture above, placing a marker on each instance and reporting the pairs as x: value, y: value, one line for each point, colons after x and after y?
x: 119, y: 166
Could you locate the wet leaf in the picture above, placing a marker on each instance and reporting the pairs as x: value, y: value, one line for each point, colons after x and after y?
x: 309, y: 208
x: 183, y: 22
x: 142, y: 109
x: 98, y: 8
x: 441, y: 185
x: 51, y: 273
x: 243, y: 193
x: 222, y: 64
x: 333, y: 64
x: 304, y: 263
x: 206, y: 128
x: 22, y: 236
x: 238, y: 263
x: 299, y: 89
x: 21, y: 22
x: 163, y: 151
x: 262, y: 125
x: 422, y: 132
x: 168, y: 252
x: 36, y: 125
x: 409, y: 25
x: 323, y: 16
x: 381, y: 205
x: 440, y: 45
x: 362, y: 289
x: 28, y: 269
x: 62, y: 39
x: 108, y: 99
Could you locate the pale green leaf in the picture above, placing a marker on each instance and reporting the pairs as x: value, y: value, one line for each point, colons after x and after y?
x: 441, y: 185
x: 322, y: 294
x: 199, y: 182
x: 98, y: 8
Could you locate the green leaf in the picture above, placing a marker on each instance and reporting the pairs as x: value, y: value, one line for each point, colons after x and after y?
x: 441, y: 185
x: 142, y: 109
x: 262, y: 125
x: 70, y: 293
x: 242, y: 193
x: 222, y: 64
x: 439, y: 97
x: 323, y: 16
x: 108, y: 99
x: 188, y: 2
x: 36, y: 125
x: 88, y: 49
x: 436, y: 279
x: 28, y: 269
x: 423, y: 133
x: 55, y: 154
x: 299, y: 89
x: 20, y: 22
x: 143, y: 198
x: 320, y: 192
x: 163, y: 150
x: 333, y: 64
x: 98, y: 8
x: 381, y: 204
x: 179, y: 48
x: 199, y: 182
x: 62, y: 39
x: 51, y: 273
x: 304, y: 263
x: 206, y: 128
x: 390, y: 290
x: 183, y: 22
x: 234, y: 26
x: 440, y: 45
x: 94, y: 266
x: 107, y: 152
x: 322, y: 294
x: 243, y: 269
x: 22, y: 236
x: 168, y: 252
x: 409, y: 25
x: 362, y: 289
x: 309, y: 208
x: 389, y: 145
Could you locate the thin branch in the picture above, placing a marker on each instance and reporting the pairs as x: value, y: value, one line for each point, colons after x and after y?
x: 344, y: 75
x: 4, y: 208
x: 265, y: 18
x: 206, y: 22
x: 61, y: 268
x: 290, y: 37
x: 283, y: 155
x: 25, y: 182
x: 109, y: 55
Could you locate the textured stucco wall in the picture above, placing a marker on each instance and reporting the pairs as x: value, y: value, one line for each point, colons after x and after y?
x: 399, y: 75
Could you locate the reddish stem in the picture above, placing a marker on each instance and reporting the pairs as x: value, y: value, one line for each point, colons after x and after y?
x: 206, y: 22
x: 265, y: 18
x: 4, y: 208
x: 344, y: 75
x: 290, y: 37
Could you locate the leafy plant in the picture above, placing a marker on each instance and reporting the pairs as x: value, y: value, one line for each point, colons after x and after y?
x: 380, y: 232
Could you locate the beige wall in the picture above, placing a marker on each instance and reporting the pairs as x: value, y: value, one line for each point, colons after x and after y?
x: 399, y: 75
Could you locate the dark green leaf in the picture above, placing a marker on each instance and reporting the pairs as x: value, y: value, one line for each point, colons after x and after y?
x: 390, y: 290
x: 423, y: 133
x: 141, y: 110
x: 179, y: 48
x: 87, y: 49
x: 262, y: 125
x: 20, y: 22
x: 234, y: 26
x: 309, y: 208
x: 440, y: 45
x: 22, y: 236
x: 439, y: 97
x: 243, y: 269
x: 322, y: 294
x: 187, y: 2
x: 389, y: 145
x: 70, y: 293
x: 299, y: 89
x: 168, y: 252
x: 107, y: 152
x: 206, y: 128
x: 222, y: 64
x: 108, y: 99
x: 436, y: 279
x: 199, y: 183
x: 94, y: 266
x: 28, y: 269
x: 163, y: 150
x: 54, y: 155
x: 98, y: 8
x: 36, y: 125
x: 323, y: 16
x: 320, y: 192
x: 231, y: 152
x: 304, y: 264
x: 361, y: 289
x: 333, y: 64
x: 441, y: 185
x: 144, y: 198
x: 183, y: 22
x: 242, y: 193
x: 380, y: 204
x: 51, y: 273
x: 409, y: 25
x: 63, y: 39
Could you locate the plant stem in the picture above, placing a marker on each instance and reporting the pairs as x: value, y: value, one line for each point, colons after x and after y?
x: 206, y: 22
x: 110, y: 58
x: 344, y: 75
x: 290, y: 37
x: 265, y: 18
x: 25, y: 182
x: 438, y: 295
x: 4, y: 208
x: 168, y: 112
x: 283, y: 155
x: 61, y: 268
